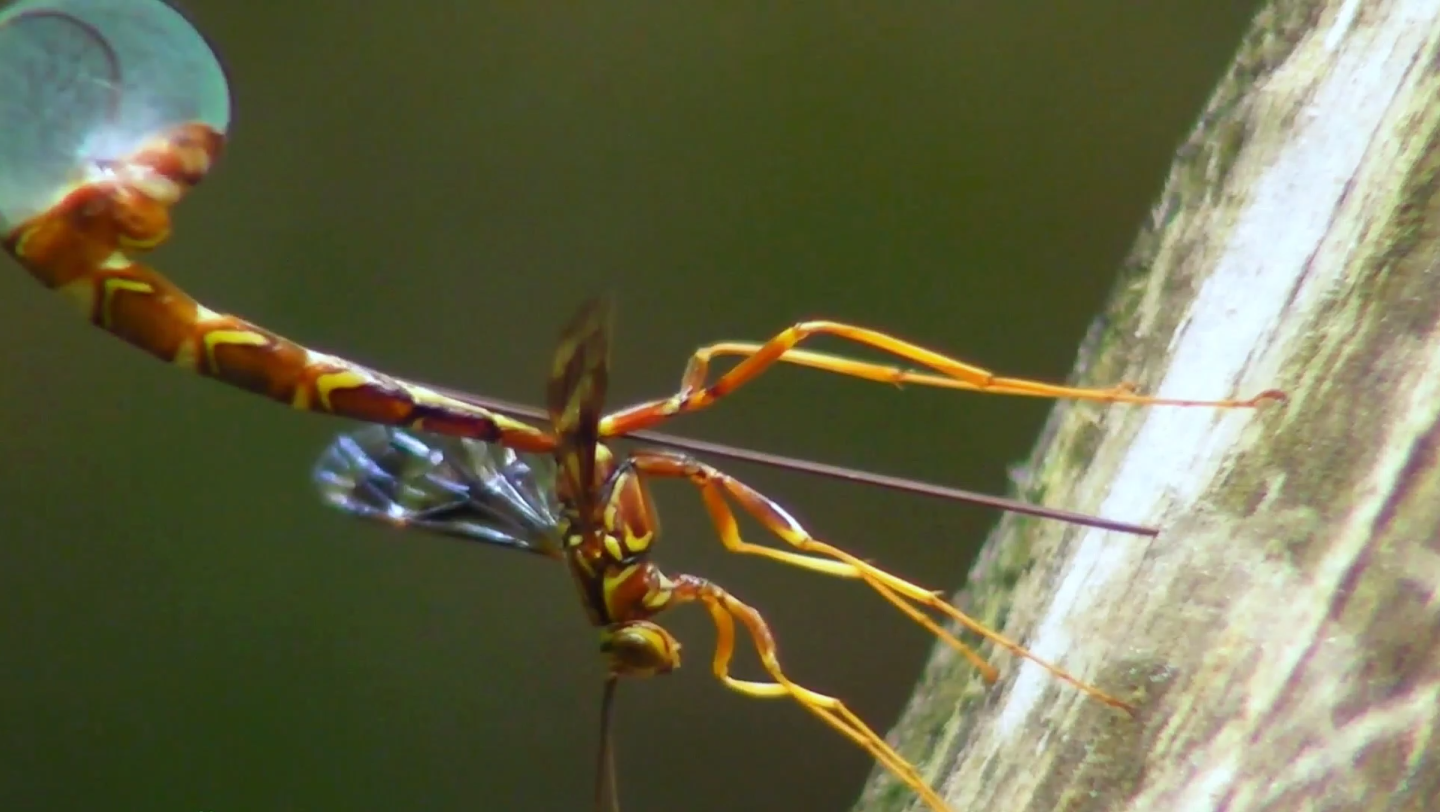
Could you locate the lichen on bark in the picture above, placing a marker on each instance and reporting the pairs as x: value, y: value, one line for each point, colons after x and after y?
x: 1281, y: 637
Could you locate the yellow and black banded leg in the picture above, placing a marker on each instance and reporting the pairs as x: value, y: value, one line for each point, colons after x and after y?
x: 718, y: 489
x: 695, y: 394
x: 724, y: 610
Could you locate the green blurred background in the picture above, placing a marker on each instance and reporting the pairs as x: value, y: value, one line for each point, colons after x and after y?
x: 431, y: 188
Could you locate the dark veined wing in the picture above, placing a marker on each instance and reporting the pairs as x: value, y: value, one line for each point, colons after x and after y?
x: 456, y: 487
x: 575, y: 398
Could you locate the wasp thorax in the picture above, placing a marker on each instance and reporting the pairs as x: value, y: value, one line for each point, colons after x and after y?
x: 639, y: 648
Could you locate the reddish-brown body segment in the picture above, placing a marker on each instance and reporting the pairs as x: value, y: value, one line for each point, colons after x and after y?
x: 78, y: 248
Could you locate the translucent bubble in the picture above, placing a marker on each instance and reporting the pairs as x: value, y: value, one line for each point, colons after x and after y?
x: 84, y: 83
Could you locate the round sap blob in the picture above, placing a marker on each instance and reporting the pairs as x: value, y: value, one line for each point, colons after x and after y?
x: 84, y: 83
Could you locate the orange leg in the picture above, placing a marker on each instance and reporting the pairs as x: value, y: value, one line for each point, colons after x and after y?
x: 724, y: 610
x: 717, y: 487
x: 695, y: 394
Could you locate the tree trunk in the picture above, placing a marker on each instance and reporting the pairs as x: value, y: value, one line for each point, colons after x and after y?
x: 1281, y: 637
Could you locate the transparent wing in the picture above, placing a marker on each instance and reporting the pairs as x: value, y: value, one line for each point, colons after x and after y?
x: 575, y: 399
x: 463, y: 488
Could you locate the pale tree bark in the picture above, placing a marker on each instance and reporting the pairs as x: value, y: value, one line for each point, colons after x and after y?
x: 1281, y: 637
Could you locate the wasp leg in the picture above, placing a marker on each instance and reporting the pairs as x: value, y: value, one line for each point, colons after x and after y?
x: 724, y: 610
x: 718, y: 489
x: 695, y: 394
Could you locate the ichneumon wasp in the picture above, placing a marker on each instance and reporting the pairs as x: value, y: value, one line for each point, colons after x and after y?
x: 117, y: 109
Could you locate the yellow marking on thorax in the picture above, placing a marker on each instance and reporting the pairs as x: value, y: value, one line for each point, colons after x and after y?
x: 659, y: 599
x: 641, y: 543
x: 613, y: 581
x: 614, y: 548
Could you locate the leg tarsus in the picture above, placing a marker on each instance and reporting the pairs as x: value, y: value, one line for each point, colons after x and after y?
x: 717, y: 489
x: 724, y: 610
